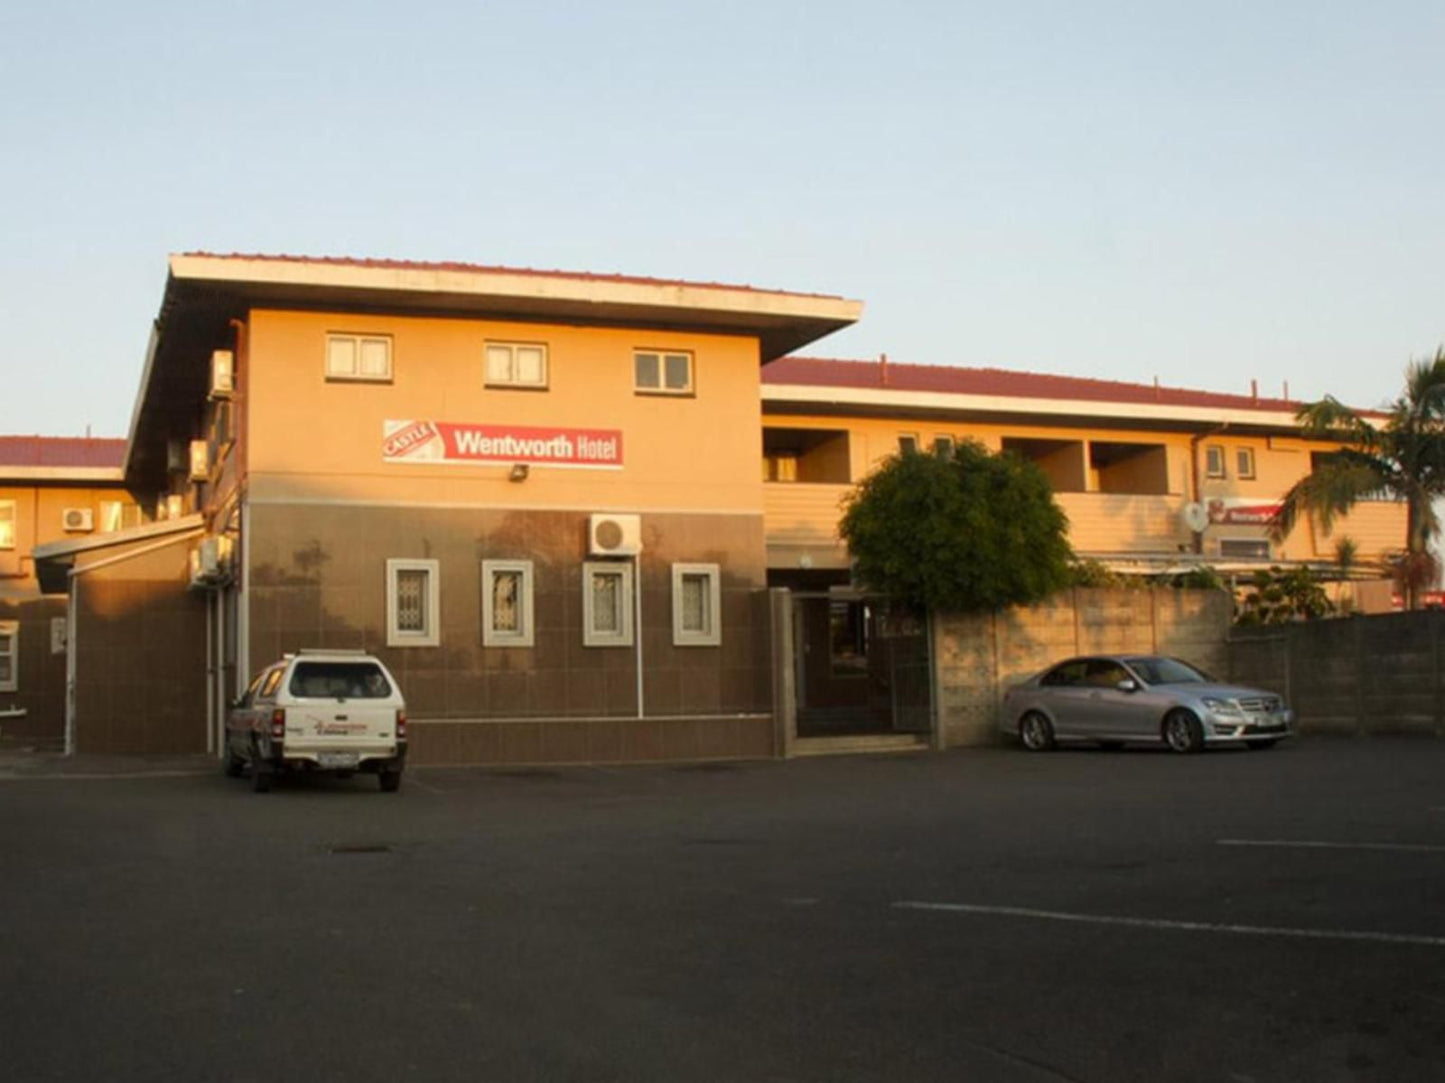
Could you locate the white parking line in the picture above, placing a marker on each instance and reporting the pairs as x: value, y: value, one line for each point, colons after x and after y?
x: 1187, y: 926
x: 1306, y: 844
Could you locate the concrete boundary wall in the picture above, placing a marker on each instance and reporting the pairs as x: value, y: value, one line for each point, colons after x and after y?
x: 977, y: 657
x: 1358, y: 675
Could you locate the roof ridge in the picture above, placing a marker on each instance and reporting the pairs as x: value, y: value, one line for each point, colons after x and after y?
x: 1101, y: 383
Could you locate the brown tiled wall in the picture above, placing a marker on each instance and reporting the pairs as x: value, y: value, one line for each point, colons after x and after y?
x: 41, y: 687
x: 613, y: 740
x: 318, y: 580
x: 141, y: 661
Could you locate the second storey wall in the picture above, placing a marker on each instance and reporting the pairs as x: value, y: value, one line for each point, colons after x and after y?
x: 312, y: 438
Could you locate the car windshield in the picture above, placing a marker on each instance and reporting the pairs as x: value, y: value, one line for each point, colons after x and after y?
x: 1166, y: 671
x: 339, y: 680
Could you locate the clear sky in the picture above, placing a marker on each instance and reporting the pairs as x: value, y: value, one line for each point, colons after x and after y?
x: 1202, y: 192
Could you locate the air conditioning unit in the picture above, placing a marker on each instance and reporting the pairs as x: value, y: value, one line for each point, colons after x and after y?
x: 78, y: 520
x: 223, y: 374
x: 614, y: 535
x: 200, y: 461
x: 211, y: 561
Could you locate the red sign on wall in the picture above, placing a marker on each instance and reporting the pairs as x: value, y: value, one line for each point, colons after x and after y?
x: 1241, y: 512
x: 451, y: 442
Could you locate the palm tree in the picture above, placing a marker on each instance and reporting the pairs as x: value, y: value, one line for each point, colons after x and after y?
x: 1400, y: 455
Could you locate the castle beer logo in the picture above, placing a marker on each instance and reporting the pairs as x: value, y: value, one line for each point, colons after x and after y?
x: 413, y: 441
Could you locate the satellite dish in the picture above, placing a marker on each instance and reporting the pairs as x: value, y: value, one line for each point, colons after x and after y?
x: 1195, y: 516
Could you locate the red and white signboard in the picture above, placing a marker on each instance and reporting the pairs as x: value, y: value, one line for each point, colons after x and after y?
x: 456, y: 443
x: 1241, y: 512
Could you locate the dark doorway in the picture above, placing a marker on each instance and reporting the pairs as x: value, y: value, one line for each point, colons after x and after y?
x: 862, y: 666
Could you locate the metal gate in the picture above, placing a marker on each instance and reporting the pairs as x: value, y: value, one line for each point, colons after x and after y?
x: 862, y: 666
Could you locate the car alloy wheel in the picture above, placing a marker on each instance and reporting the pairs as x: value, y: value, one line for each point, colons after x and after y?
x: 1182, y: 732
x: 1036, y: 732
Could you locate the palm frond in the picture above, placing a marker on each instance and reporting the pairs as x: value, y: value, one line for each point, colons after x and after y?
x: 1330, y: 419
x: 1335, y: 486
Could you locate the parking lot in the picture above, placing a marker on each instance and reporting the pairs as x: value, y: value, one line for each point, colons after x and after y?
x: 978, y: 914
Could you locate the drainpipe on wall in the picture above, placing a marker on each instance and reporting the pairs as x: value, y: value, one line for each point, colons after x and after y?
x: 637, y: 623
x: 1194, y: 495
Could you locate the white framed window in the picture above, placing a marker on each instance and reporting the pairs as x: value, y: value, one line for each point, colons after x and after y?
x: 516, y: 364
x: 658, y: 372
x: 413, y: 603
x: 9, y: 656
x: 7, y: 524
x: 606, y: 604
x: 1244, y: 462
x: 1214, y: 460
x: 943, y: 447
x: 696, y: 605
x: 507, y: 603
x: 118, y: 514
x: 358, y: 357
x: 907, y: 443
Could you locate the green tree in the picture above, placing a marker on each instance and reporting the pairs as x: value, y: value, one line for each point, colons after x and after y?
x: 1401, y: 455
x: 969, y: 532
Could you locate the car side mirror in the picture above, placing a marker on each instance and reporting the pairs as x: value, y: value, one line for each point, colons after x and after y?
x: 1128, y: 684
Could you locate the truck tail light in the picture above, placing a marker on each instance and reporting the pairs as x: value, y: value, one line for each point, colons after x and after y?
x: 278, y: 723
x: 400, y: 724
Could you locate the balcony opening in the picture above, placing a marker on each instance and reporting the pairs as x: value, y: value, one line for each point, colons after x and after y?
x: 1139, y: 469
x: 819, y: 456
x: 1061, y: 460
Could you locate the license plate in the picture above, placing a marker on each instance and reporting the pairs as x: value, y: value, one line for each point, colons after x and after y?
x: 335, y: 760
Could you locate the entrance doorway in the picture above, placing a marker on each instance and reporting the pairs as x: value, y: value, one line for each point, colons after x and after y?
x: 862, y: 666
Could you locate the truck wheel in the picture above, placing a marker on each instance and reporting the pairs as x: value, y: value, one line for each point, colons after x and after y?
x: 390, y: 781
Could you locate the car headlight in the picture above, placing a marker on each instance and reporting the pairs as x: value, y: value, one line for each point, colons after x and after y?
x: 1222, y: 706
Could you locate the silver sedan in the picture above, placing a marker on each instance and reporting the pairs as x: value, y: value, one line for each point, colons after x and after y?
x: 1111, y: 699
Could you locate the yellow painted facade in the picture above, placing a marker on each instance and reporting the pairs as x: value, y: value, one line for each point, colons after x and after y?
x: 316, y: 439
x: 1144, y: 519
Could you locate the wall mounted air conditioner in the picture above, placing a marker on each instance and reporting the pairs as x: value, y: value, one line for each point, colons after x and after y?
x: 223, y: 374
x: 614, y: 535
x: 200, y: 461
x: 78, y: 520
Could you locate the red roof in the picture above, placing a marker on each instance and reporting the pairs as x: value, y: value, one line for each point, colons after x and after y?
x: 420, y: 265
x: 822, y: 372
x: 62, y: 452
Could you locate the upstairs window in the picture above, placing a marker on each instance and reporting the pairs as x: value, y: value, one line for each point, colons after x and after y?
x: 1214, y: 460
x: 358, y: 357
x: 413, y: 608
x: 657, y: 373
x: 696, y: 600
x: 1244, y: 462
x: 908, y: 443
x: 7, y: 524
x: 943, y: 447
x: 516, y: 364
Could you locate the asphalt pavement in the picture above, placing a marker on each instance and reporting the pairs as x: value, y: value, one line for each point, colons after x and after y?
x: 972, y: 915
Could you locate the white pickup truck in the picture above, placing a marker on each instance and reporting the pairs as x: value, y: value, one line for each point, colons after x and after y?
x: 319, y: 710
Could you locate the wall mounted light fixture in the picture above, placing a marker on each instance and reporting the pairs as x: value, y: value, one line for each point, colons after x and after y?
x: 519, y: 472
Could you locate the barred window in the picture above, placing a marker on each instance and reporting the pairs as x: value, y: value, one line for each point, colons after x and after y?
x: 696, y: 598
x: 607, y: 604
x: 412, y: 596
x: 507, y: 603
